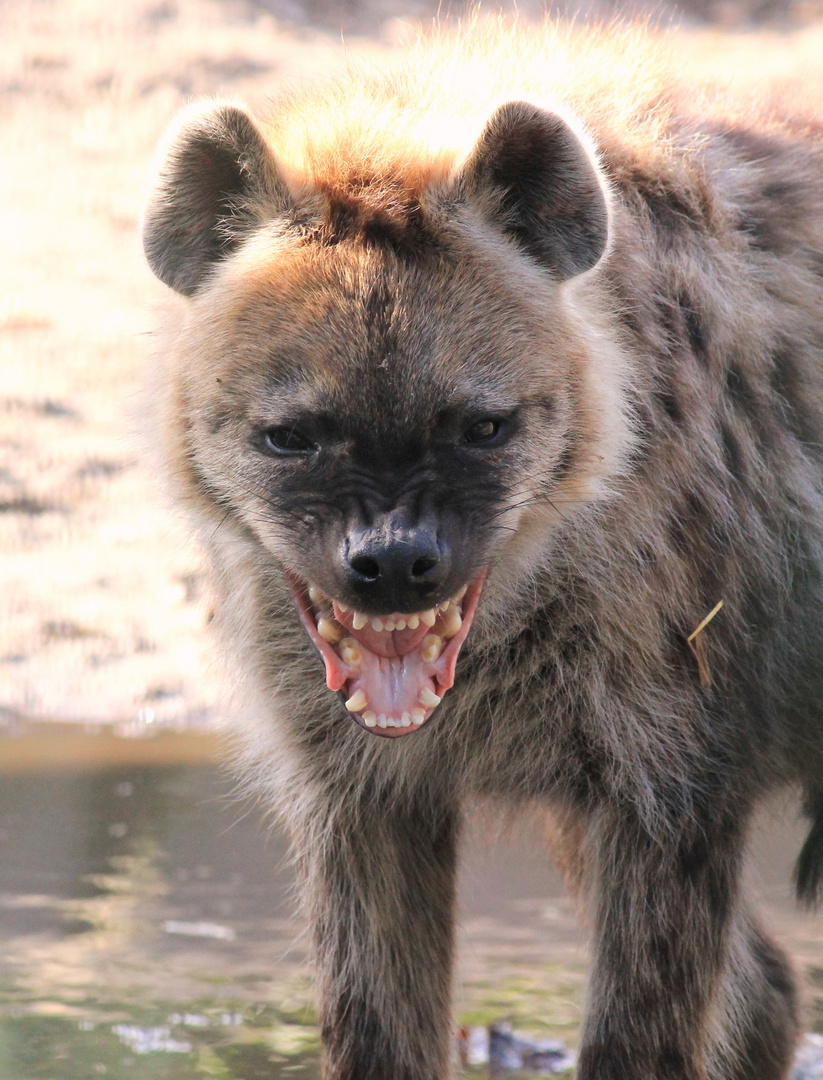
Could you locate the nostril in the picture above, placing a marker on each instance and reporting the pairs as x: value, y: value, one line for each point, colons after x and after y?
x: 366, y: 567
x: 422, y: 566
x: 394, y: 565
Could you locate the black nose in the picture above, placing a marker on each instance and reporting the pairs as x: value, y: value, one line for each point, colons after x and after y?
x: 393, y: 565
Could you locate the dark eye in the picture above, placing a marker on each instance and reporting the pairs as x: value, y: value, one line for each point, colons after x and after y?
x: 288, y: 440
x: 483, y: 432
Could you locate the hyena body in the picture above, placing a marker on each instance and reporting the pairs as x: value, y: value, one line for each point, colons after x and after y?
x: 445, y: 361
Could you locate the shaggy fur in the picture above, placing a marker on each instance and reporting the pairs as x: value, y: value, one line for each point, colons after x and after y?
x: 630, y: 275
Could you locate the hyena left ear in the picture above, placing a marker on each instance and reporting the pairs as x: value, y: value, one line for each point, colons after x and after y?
x: 218, y: 179
x: 531, y: 175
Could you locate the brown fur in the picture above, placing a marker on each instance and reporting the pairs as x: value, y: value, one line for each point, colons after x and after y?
x: 377, y: 251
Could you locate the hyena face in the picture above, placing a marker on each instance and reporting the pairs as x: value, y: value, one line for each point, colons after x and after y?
x: 380, y: 393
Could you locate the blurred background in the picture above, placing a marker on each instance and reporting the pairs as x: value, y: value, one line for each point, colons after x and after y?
x: 147, y: 912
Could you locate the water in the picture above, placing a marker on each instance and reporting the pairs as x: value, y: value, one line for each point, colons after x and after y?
x: 150, y: 931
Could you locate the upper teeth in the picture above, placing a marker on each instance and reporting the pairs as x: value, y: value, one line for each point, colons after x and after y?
x: 380, y: 623
x: 350, y: 651
x: 448, y: 613
x: 430, y: 648
x: 329, y: 630
x: 452, y: 623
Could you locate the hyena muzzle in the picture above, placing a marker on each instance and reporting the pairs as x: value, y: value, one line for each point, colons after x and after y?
x: 481, y: 403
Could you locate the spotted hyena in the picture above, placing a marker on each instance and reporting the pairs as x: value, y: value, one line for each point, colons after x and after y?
x: 490, y: 377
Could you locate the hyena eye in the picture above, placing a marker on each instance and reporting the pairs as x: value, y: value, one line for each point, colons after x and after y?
x: 483, y: 432
x: 288, y: 440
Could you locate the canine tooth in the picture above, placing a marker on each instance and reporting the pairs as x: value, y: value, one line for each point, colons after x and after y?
x: 428, y: 699
x: 350, y: 651
x: 357, y: 702
x: 369, y: 718
x: 418, y: 716
x: 406, y: 719
x: 400, y: 624
x: 317, y: 596
x: 451, y: 623
x: 359, y: 620
x: 377, y: 624
x: 428, y: 618
x: 382, y: 720
x: 329, y: 631
x: 413, y: 621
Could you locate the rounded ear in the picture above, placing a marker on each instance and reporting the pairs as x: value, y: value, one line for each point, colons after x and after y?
x: 532, y: 176
x: 217, y: 180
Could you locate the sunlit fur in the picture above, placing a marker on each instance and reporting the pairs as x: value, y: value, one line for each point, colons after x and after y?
x: 686, y: 380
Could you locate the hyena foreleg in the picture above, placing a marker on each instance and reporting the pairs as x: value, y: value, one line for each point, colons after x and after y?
x: 666, y: 906
x: 382, y: 887
x: 754, y: 1024
x: 757, y: 1022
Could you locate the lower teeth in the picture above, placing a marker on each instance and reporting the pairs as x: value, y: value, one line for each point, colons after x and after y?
x: 357, y: 702
x: 371, y: 719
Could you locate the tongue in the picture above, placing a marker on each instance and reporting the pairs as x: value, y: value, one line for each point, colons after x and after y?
x: 393, y: 685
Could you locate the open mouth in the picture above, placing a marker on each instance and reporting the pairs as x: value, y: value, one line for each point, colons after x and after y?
x: 390, y: 670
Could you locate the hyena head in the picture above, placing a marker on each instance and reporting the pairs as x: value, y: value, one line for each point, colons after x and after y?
x: 380, y: 376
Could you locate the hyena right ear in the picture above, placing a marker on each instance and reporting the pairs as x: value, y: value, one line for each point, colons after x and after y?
x: 531, y: 176
x: 217, y: 180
